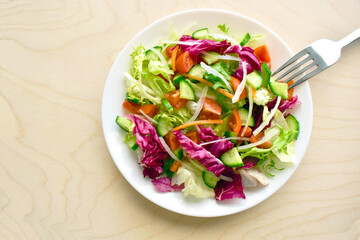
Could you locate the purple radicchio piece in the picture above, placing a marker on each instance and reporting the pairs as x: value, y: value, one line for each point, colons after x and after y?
x: 229, y: 189
x: 206, y: 134
x: 163, y: 184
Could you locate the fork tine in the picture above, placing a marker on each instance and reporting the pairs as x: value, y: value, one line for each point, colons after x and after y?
x: 291, y: 60
x: 294, y: 67
x: 306, y: 77
x: 301, y: 71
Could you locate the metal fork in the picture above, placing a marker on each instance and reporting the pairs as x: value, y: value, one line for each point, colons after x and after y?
x: 318, y: 56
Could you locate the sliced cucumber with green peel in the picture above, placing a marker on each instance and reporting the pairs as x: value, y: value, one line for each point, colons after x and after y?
x: 232, y: 158
x: 177, y: 79
x: 266, y: 74
x: 210, y: 179
x: 245, y: 39
x: 211, y: 57
x: 131, y: 142
x: 254, y: 79
x: 230, y: 134
x: 124, y: 123
x: 197, y: 71
x: 186, y: 91
x: 279, y: 89
x: 202, y: 33
x: 167, y: 105
x: 244, y: 115
x: 150, y: 55
x: 293, y: 124
x: 163, y: 126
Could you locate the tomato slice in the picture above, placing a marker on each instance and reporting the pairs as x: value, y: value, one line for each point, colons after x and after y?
x: 235, y: 83
x: 184, y: 62
x: 262, y: 53
x: 149, y: 109
x: 210, y: 110
x: 131, y: 106
x: 194, y: 136
x: 175, y: 100
x: 172, y: 141
x: 235, y: 122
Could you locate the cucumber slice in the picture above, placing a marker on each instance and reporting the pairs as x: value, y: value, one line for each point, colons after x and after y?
x: 177, y: 79
x: 293, y: 124
x: 266, y: 74
x: 179, y: 153
x: 197, y: 71
x: 167, y: 105
x: 230, y: 134
x: 124, y: 123
x: 163, y: 127
x: 210, y: 179
x: 279, y: 89
x: 243, y: 115
x: 232, y: 158
x: 254, y: 79
x: 186, y: 91
x: 211, y: 57
x: 134, y: 100
x: 150, y: 55
x: 245, y: 39
x: 201, y: 33
x: 131, y: 142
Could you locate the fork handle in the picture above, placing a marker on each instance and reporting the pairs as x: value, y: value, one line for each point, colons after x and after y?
x: 349, y: 38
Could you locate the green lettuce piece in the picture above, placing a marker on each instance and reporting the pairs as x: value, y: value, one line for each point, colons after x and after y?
x: 138, y: 90
x: 223, y: 69
x: 172, y: 118
x: 263, y: 96
x: 223, y: 28
x: 190, y: 174
x: 157, y: 67
x: 138, y: 56
x: 256, y: 41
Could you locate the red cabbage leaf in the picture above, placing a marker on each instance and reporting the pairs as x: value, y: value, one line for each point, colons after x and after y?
x: 228, y: 190
x: 206, y: 159
x: 153, y: 151
x: 284, y: 104
x: 163, y: 184
x: 218, y: 148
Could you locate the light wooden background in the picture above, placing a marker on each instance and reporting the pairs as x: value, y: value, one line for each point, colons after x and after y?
x: 57, y: 179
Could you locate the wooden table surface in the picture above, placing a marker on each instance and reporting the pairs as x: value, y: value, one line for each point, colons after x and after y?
x: 57, y: 179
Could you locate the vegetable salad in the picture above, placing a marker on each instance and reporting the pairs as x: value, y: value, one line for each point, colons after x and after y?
x: 206, y: 116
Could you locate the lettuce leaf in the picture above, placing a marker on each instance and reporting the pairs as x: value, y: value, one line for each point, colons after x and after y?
x: 157, y: 67
x: 138, y: 56
x: 228, y: 190
x: 190, y: 175
x: 206, y: 159
x: 263, y: 96
x: 149, y: 142
x: 163, y: 184
x: 206, y: 134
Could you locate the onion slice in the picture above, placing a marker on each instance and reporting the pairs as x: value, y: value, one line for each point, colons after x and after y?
x: 266, y: 138
x: 224, y: 57
x: 223, y: 139
x: 180, y: 43
x: 267, y: 120
x: 241, y: 86
x: 200, y: 105
x: 167, y: 148
x: 216, y: 73
x: 225, y: 178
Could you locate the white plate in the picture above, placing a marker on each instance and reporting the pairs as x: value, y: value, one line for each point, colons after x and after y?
x: 114, y: 95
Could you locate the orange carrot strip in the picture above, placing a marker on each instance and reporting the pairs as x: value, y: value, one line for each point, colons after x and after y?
x: 253, y: 93
x: 173, y: 58
x: 229, y: 95
x: 199, y: 122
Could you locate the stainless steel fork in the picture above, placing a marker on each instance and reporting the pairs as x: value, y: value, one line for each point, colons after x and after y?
x: 315, y: 58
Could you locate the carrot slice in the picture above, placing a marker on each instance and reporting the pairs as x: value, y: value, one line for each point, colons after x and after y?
x: 199, y: 122
x: 235, y: 122
x: 227, y: 94
x: 253, y: 93
x: 290, y: 91
x: 173, y: 58
x: 247, y: 133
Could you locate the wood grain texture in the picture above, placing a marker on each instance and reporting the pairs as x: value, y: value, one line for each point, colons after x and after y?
x: 57, y: 179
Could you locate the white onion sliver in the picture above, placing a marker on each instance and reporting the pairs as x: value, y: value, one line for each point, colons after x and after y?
x: 162, y: 59
x: 267, y: 120
x: 216, y: 73
x: 167, y: 149
x: 264, y: 139
x: 251, y: 105
x: 223, y: 139
x: 223, y: 36
x: 200, y: 105
x: 148, y: 117
x: 225, y: 178
x: 241, y: 86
